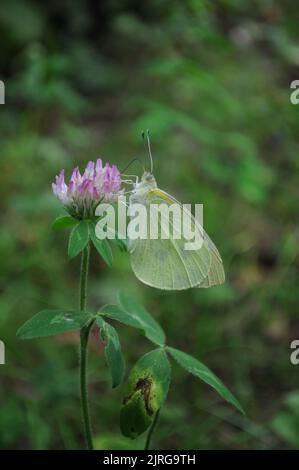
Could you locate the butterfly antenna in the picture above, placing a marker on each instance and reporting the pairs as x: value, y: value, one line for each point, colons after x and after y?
x: 130, y: 163
x: 147, y: 144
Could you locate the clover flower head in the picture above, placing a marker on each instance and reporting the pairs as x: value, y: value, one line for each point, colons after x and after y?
x: 84, y: 192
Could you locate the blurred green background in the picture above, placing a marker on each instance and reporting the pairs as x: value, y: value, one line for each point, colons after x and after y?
x: 211, y: 80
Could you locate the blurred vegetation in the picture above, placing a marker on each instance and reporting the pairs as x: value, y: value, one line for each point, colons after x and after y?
x: 211, y: 81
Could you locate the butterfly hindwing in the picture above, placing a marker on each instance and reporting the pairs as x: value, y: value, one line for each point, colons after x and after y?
x: 165, y: 263
x: 216, y: 273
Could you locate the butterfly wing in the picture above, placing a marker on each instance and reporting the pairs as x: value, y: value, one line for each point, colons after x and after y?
x: 216, y: 275
x: 165, y: 263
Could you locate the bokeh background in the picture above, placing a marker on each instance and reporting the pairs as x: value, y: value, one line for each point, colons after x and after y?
x: 211, y: 80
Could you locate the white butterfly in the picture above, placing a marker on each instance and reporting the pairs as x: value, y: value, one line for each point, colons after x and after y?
x: 165, y: 263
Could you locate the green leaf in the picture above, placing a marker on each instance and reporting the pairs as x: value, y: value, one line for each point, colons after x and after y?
x: 64, y: 222
x: 103, y: 247
x: 117, y: 313
x: 147, y: 390
x: 137, y: 312
x: 121, y: 243
x: 113, y: 352
x: 197, y: 368
x: 53, y: 322
x: 78, y: 238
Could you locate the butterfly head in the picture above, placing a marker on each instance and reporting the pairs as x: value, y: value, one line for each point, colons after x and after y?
x: 147, y: 182
x: 148, y: 179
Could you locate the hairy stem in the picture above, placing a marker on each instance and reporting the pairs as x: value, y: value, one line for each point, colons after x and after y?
x: 151, y: 430
x: 84, y: 334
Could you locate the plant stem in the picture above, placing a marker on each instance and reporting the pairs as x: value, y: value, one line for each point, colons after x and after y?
x: 83, y: 277
x: 84, y: 334
x: 151, y: 430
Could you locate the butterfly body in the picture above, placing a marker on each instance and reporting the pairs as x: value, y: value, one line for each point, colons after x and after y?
x: 142, y: 189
